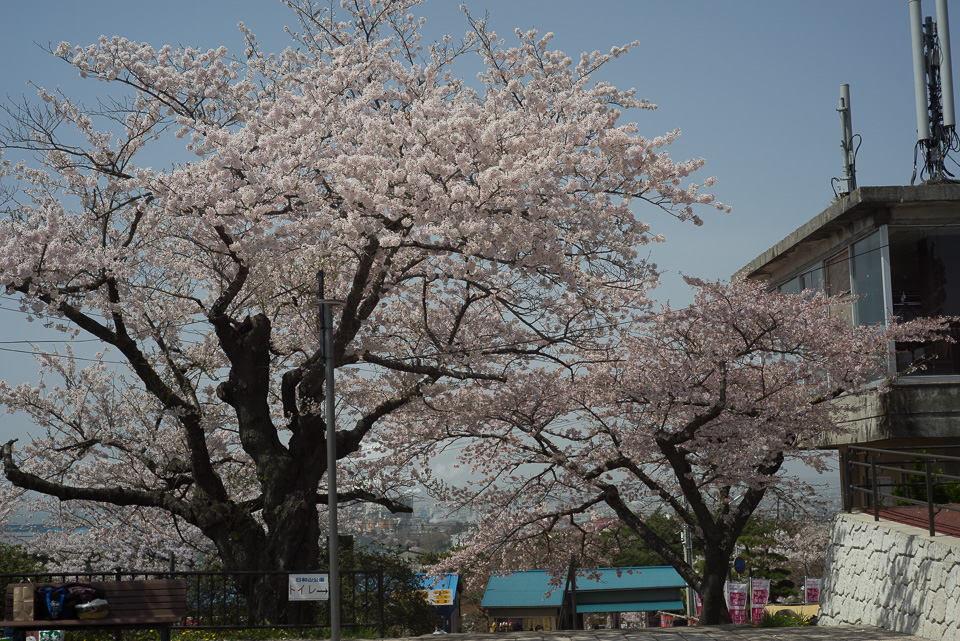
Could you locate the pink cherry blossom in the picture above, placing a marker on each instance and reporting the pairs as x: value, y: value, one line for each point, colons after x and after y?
x: 692, y: 410
x: 475, y: 233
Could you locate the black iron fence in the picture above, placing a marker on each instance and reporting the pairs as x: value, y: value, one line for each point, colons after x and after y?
x: 880, y: 479
x: 219, y: 600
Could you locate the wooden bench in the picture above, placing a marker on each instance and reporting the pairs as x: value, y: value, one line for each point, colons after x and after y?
x: 131, y: 604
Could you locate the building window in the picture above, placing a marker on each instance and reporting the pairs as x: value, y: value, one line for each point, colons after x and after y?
x: 810, y: 279
x: 866, y: 278
x: 837, y: 282
x: 904, y: 271
x: 925, y: 281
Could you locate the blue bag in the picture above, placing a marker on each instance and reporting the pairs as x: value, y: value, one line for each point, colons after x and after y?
x: 49, y: 603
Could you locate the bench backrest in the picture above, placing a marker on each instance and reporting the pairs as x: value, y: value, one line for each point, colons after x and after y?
x: 152, y: 600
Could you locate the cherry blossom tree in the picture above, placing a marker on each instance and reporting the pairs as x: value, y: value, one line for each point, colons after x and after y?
x: 696, y: 411
x: 474, y: 235
x: 805, y: 547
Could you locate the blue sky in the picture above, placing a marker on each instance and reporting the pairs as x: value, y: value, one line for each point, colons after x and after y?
x: 752, y: 84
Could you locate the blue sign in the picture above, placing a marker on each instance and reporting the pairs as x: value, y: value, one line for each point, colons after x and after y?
x: 739, y: 565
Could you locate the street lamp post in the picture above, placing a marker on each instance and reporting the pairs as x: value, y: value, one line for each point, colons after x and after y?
x: 326, y: 326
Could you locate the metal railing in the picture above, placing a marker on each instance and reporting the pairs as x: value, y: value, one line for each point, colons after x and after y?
x: 218, y: 600
x: 897, y: 477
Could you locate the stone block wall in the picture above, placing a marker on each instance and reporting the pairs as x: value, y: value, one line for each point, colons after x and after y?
x: 892, y: 576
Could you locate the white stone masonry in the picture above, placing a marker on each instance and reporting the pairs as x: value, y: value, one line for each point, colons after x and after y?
x: 892, y: 576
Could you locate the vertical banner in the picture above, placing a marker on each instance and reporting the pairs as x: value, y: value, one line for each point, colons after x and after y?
x: 737, y: 600
x: 699, y: 603
x: 759, y: 597
x: 812, y: 591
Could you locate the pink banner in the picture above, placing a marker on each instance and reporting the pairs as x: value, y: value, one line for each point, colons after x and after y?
x: 759, y: 592
x: 812, y: 591
x: 759, y: 597
x: 699, y: 603
x: 737, y: 600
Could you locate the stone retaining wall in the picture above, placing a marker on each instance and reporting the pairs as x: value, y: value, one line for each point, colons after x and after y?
x: 892, y: 576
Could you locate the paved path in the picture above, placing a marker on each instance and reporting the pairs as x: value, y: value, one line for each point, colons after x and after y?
x: 709, y: 633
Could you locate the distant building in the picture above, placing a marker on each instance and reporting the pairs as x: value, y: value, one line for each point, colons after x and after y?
x: 898, y: 249
x: 524, y: 600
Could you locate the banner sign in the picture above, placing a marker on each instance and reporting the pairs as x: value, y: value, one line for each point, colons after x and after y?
x: 309, y: 587
x: 812, y: 591
x: 759, y: 597
x: 699, y: 603
x: 438, y: 597
x: 759, y: 591
x: 737, y: 600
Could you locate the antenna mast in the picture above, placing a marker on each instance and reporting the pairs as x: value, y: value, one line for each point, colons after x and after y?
x: 848, y: 180
x: 933, y: 89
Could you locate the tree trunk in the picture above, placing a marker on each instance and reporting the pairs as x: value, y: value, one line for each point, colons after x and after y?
x: 267, y: 594
x: 716, y: 569
x: 290, y: 542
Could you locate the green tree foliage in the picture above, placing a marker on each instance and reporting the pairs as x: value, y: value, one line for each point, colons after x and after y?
x: 406, y: 610
x: 916, y: 487
x: 628, y: 549
x: 757, y: 545
x: 15, y: 558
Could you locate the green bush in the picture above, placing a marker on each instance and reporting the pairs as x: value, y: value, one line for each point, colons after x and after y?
x: 784, y: 619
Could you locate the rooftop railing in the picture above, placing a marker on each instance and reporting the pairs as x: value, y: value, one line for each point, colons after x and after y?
x: 888, y: 480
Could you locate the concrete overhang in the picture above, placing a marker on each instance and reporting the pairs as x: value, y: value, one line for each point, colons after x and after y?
x: 916, y: 411
x: 865, y: 208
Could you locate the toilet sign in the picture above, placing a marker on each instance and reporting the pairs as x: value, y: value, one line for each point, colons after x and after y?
x: 309, y: 587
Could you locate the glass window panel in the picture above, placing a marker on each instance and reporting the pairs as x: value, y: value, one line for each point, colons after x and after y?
x: 925, y: 281
x: 866, y: 279
x: 812, y: 279
x: 837, y: 279
x: 792, y: 286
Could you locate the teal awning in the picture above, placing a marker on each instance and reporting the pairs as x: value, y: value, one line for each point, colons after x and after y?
x: 636, y: 606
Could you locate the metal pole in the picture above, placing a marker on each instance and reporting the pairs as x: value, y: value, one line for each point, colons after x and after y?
x: 846, y: 495
x: 326, y: 315
x: 688, y: 559
x: 930, y: 513
x: 919, y: 69
x: 573, y: 591
x: 848, y: 181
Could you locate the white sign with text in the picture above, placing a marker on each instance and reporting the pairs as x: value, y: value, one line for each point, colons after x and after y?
x: 309, y: 587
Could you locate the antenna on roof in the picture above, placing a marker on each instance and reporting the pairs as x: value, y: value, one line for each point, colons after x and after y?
x: 946, y: 67
x: 933, y: 88
x: 848, y: 180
